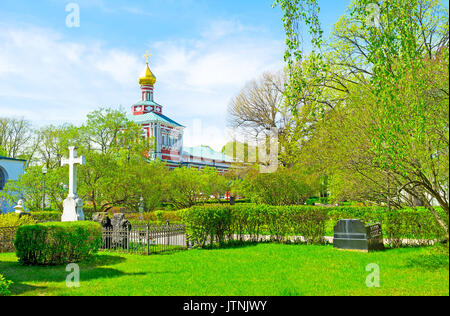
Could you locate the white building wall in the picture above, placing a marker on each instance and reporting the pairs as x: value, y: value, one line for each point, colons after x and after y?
x: 12, y: 169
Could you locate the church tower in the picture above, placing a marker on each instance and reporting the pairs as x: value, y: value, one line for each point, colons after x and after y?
x: 167, y: 134
x: 147, y: 84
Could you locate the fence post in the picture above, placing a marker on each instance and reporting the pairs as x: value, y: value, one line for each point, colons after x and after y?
x: 148, y: 239
x: 168, y: 234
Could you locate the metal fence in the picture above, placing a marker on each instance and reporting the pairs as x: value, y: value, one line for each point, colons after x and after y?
x: 145, y: 239
x: 7, y: 235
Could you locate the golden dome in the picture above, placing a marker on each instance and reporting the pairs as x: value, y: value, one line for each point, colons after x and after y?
x: 149, y: 79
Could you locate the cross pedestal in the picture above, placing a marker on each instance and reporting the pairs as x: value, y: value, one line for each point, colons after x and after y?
x: 73, y: 206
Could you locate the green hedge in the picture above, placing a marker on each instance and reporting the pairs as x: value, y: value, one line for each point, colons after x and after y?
x: 47, y: 216
x: 162, y: 216
x: 220, y: 223
x: 418, y: 224
x: 57, y: 243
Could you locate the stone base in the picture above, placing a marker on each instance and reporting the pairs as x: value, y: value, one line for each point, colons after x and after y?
x: 73, y: 210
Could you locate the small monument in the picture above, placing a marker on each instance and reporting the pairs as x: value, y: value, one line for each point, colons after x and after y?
x: 73, y: 206
x: 115, y: 231
x: 352, y: 234
x: 19, y: 209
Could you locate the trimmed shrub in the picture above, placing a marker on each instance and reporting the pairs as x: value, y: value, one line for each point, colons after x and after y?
x: 220, y: 223
x: 8, y: 227
x: 416, y: 224
x: 309, y: 222
x: 52, y: 216
x: 4, y: 286
x: 162, y: 216
x: 14, y: 220
x: 208, y: 223
x: 57, y: 243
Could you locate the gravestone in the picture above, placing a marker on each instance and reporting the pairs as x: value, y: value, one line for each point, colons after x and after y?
x: 352, y: 234
x: 121, y: 228
x: 103, y: 219
x: 116, y: 230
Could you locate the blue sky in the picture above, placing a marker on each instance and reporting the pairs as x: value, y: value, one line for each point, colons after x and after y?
x: 203, y: 53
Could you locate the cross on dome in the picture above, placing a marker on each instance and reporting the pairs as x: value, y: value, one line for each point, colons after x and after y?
x: 149, y: 79
x: 147, y: 56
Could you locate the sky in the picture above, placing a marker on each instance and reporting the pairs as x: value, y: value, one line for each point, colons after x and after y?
x: 203, y: 54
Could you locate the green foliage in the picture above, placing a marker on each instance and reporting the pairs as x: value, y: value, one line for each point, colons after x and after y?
x: 48, y: 216
x: 383, y: 132
x: 187, y: 186
x: 287, y: 186
x: 3, y: 152
x: 14, y: 220
x: 8, y: 227
x: 218, y: 223
x: 31, y: 186
x: 205, y: 223
x: 57, y: 243
x: 417, y: 224
x: 4, y: 286
x: 155, y: 216
x: 159, y: 216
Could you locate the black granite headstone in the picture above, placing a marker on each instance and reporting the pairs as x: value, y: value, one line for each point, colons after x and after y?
x: 352, y: 234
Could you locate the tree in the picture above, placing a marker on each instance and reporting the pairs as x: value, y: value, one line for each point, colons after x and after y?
x: 390, y: 129
x: 185, y: 187
x: 259, y: 106
x: 287, y: 186
x: 30, y: 188
x: 116, y: 155
x: 214, y: 184
x: 16, y: 136
x: 103, y: 127
x: 54, y: 141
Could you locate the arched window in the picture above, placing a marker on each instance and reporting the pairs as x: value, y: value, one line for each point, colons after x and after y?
x: 2, y: 178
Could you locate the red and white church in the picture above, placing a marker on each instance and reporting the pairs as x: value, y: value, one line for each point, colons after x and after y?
x: 168, y: 134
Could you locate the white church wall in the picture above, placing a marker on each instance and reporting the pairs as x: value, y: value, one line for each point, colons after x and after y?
x: 11, y: 169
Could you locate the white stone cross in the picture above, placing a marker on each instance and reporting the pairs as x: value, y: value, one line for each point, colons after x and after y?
x: 73, y: 161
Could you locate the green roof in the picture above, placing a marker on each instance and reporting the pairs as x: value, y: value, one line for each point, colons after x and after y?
x: 146, y: 103
x: 152, y: 117
x: 206, y: 152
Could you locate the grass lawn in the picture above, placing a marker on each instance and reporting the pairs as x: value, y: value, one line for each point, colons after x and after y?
x: 263, y: 269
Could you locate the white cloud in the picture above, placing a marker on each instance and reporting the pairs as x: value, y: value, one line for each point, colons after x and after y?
x: 199, y: 77
x: 47, y: 78
x: 60, y: 81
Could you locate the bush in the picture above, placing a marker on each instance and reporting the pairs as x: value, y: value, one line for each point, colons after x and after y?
x: 286, y: 186
x: 162, y: 216
x: 51, y: 216
x: 8, y: 227
x: 4, y: 286
x: 14, y: 220
x: 417, y: 224
x: 205, y: 223
x: 57, y: 243
x: 220, y: 222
